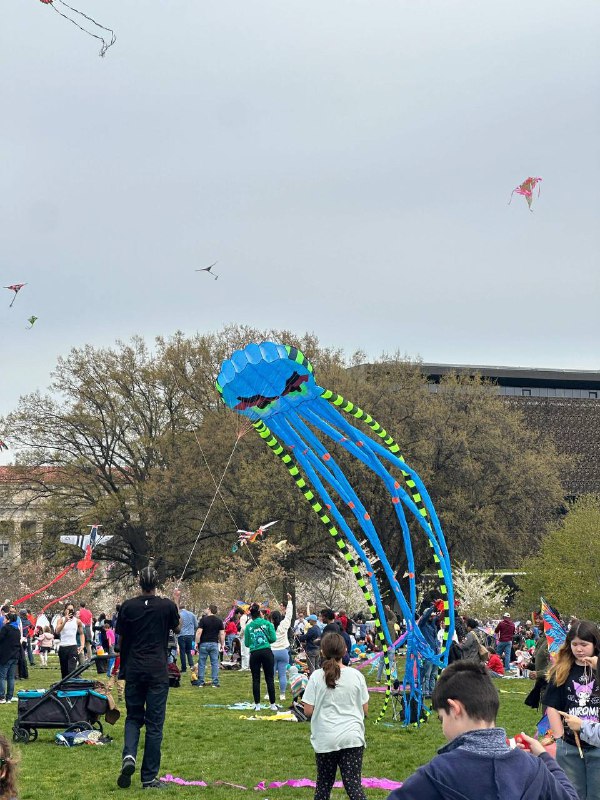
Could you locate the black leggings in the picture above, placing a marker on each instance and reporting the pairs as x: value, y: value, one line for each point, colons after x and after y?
x: 67, y: 657
x: 350, y: 764
x: 265, y: 659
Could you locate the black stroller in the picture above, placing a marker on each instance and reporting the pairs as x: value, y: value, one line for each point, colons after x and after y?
x: 71, y: 704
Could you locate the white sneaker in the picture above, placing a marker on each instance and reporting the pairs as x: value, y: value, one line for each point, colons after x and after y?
x: 14, y: 700
x: 257, y: 706
x: 282, y: 697
x: 266, y: 697
x: 3, y: 700
x: 274, y: 707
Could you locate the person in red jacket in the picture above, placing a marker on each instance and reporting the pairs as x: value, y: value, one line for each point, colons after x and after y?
x: 505, y: 630
x: 494, y: 664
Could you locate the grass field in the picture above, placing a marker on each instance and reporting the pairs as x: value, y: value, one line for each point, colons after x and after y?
x: 211, y: 744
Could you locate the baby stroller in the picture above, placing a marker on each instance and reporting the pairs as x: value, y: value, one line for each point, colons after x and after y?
x: 70, y: 704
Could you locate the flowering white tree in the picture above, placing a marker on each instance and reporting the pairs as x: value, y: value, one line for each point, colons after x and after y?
x: 481, y: 596
x: 334, y: 587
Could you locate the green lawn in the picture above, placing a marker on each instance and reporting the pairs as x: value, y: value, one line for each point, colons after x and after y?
x: 210, y: 744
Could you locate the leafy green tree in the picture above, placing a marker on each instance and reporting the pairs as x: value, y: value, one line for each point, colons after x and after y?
x: 565, y: 570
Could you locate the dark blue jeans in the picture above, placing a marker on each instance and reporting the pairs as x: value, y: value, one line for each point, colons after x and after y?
x: 186, y: 645
x: 208, y: 650
x: 7, y: 678
x: 146, y: 701
x: 503, y: 650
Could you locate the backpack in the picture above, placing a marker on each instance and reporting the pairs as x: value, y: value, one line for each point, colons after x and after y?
x: 297, y: 710
x: 174, y: 675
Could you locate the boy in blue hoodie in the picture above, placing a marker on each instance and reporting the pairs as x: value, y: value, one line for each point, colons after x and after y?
x: 477, y: 762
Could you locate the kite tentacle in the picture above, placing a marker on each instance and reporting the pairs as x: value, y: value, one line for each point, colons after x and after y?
x: 360, y: 449
x: 265, y: 433
x: 47, y: 586
x: 370, y: 460
x: 68, y: 594
x: 312, y: 464
x: 418, y: 492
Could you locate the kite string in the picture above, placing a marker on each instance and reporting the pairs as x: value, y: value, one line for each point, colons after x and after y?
x: 214, y: 481
x: 212, y: 502
x: 218, y: 487
x: 105, y: 44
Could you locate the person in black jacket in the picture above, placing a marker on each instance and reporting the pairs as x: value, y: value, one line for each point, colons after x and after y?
x: 10, y: 650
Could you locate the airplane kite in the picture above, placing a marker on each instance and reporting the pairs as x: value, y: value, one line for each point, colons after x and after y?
x: 249, y: 537
x: 87, y: 543
x: 31, y: 322
x: 208, y: 269
x: 526, y: 189
x: 81, y: 17
x: 16, y: 288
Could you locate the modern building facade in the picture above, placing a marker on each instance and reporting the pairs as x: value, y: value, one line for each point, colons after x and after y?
x: 564, y: 404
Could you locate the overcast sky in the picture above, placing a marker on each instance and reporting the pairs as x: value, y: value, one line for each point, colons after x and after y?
x: 348, y: 163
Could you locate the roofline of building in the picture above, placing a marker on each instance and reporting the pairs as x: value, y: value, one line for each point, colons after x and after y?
x: 514, y: 376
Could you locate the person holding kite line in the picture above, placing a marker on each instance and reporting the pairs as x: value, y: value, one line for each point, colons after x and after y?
x: 337, y: 701
x: 259, y: 635
x: 280, y: 647
x: 573, y: 689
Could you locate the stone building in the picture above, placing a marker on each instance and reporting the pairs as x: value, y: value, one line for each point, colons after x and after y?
x: 21, y: 527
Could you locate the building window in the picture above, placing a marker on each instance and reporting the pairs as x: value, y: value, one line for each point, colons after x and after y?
x: 593, y: 395
x: 29, y: 542
x: 526, y: 392
x: 4, y: 548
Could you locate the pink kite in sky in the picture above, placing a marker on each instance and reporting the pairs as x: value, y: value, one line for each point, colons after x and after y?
x: 16, y: 288
x: 527, y: 189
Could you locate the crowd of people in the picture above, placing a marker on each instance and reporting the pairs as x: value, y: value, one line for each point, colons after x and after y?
x: 313, y: 654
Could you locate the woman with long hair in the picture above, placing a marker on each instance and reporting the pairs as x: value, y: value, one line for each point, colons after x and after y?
x: 280, y: 647
x: 72, y: 638
x: 573, y: 689
x: 8, y: 771
x: 259, y: 635
x: 337, y: 702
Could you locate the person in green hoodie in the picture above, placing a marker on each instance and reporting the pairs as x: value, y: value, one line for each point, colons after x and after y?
x: 259, y: 634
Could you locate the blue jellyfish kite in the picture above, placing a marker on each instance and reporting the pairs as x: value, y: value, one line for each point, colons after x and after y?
x: 273, y: 385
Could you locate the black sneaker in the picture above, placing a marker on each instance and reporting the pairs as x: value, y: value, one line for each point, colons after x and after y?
x: 155, y: 784
x: 127, y: 770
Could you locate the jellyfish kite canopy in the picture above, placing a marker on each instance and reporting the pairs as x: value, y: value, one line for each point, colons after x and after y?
x: 273, y: 385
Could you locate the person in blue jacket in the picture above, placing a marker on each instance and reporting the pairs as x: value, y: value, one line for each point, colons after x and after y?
x: 477, y: 762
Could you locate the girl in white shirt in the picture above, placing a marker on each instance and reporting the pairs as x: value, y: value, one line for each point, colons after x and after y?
x: 281, y: 645
x: 337, y: 701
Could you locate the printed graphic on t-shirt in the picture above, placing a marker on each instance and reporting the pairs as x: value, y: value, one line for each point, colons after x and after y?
x: 260, y: 638
x: 583, y: 701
